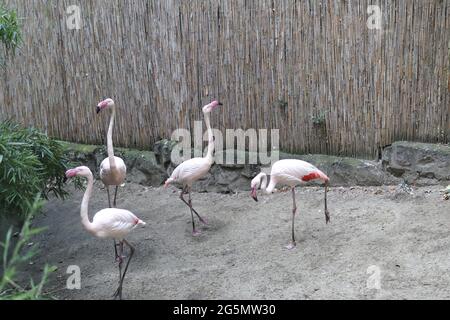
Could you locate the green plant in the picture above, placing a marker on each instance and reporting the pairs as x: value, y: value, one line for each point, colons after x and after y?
x: 30, y: 163
x: 10, y: 31
x: 14, y: 256
x: 282, y: 104
x: 319, y: 119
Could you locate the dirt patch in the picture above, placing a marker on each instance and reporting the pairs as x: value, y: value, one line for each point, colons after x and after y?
x: 241, y: 254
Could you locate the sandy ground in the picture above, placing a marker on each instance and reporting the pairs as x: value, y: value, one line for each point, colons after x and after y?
x: 378, y: 230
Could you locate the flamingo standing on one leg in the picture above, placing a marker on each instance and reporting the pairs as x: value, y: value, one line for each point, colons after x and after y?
x: 107, y: 223
x: 290, y: 172
x: 112, y: 169
x: 193, y: 169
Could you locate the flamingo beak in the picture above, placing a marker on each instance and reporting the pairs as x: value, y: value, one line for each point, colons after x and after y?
x: 253, y: 194
x: 71, y: 173
x: 101, y: 106
x: 220, y: 104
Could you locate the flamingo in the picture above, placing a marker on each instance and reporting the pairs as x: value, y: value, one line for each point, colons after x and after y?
x: 193, y: 169
x: 112, y: 169
x: 107, y: 223
x: 290, y: 172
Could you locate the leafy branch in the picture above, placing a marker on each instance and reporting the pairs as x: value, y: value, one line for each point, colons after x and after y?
x: 14, y: 256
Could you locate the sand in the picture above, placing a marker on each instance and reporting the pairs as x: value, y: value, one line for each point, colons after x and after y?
x: 382, y: 243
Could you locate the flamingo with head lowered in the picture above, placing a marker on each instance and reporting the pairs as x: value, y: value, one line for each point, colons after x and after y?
x: 107, y: 223
x: 290, y: 172
x: 112, y: 169
x: 193, y: 169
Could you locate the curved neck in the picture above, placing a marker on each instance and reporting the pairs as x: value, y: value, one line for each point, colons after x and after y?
x: 271, y: 186
x: 209, y: 155
x: 85, y: 204
x: 265, y: 185
x: 112, y: 161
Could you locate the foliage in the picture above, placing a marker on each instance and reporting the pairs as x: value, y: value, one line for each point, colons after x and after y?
x: 10, y: 30
x: 16, y: 255
x: 30, y: 163
x: 282, y: 104
x: 319, y: 119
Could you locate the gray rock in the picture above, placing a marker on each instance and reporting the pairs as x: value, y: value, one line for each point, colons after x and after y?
x: 415, y: 161
x: 163, y: 150
x: 144, y: 168
x: 423, y: 164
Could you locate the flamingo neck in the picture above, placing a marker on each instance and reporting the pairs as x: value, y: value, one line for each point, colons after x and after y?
x: 112, y: 160
x: 265, y: 185
x: 210, y: 152
x: 85, y: 205
x: 271, y: 186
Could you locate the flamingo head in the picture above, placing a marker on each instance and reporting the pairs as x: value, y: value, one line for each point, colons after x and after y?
x: 78, y: 171
x: 168, y: 182
x: 210, y: 107
x: 254, y: 186
x: 104, y: 104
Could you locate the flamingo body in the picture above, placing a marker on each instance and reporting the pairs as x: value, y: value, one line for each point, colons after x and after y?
x: 113, y: 177
x: 293, y: 172
x: 114, y: 223
x: 290, y: 172
x: 190, y: 171
x: 112, y: 169
x: 107, y: 223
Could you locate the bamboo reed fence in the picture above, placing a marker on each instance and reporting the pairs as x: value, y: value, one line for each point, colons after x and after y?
x: 312, y: 69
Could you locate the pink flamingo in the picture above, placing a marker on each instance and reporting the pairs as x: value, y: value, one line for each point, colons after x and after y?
x: 112, y: 169
x: 290, y: 172
x: 107, y: 223
x: 193, y: 169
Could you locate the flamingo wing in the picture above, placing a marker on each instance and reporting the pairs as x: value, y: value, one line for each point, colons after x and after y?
x: 293, y: 171
x: 115, y: 223
x: 190, y: 170
x: 106, y: 175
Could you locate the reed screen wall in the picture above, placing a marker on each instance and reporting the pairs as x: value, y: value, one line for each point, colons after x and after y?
x: 312, y: 69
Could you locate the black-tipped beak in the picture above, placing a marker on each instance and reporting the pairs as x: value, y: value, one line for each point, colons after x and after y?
x: 65, y: 179
x: 220, y: 104
x: 253, y: 194
x: 98, y: 109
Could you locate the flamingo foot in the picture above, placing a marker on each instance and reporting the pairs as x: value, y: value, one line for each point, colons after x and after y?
x: 196, y: 233
x: 204, y: 221
x: 291, y: 246
x: 118, y: 294
x: 327, y: 216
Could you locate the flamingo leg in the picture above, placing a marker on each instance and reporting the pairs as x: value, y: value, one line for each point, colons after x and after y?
x: 115, y: 250
x: 294, y: 210
x: 118, y: 293
x: 194, y: 232
x: 119, y: 258
x: 118, y: 254
x: 115, y: 196
x: 190, y: 206
x: 327, y: 213
x: 109, y: 197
